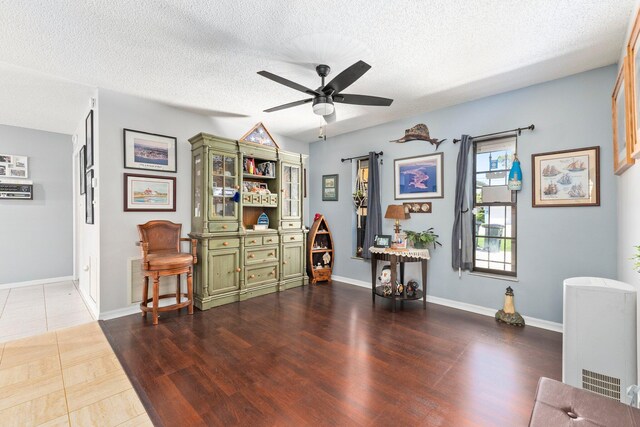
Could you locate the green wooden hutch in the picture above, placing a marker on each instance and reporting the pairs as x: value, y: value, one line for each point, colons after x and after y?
x: 236, y: 262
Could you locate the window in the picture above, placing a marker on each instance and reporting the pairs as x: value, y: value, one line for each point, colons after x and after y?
x: 494, y: 233
x: 360, y: 202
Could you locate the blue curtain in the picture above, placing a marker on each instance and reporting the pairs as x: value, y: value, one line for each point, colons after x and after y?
x: 374, y: 213
x: 462, y: 234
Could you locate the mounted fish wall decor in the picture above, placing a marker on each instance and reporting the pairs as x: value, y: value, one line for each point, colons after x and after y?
x: 419, y: 132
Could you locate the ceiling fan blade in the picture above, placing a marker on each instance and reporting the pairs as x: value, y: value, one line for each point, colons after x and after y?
x: 288, y: 83
x: 330, y: 118
x: 345, y: 98
x: 289, y: 105
x: 346, y: 78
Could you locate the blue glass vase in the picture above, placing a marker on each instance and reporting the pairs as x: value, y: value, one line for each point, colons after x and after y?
x: 515, y: 176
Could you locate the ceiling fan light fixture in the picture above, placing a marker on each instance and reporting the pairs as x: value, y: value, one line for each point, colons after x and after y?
x: 323, y: 105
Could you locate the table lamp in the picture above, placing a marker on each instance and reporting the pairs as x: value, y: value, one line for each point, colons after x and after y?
x: 396, y: 212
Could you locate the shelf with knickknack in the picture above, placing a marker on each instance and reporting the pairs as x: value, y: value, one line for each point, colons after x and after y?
x: 320, y: 251
x: 259, y: 193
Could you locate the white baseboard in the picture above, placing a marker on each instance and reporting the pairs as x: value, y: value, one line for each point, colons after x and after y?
x: 36, y: 282
x: 491, y: 312
x: 120, y: 312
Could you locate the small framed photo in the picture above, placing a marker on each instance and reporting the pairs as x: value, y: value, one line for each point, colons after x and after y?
x: 88, y: 198
x: 149, y: 193
x: 566, y: 178
x: 399, y: 241
x: 419, y: 177
x: 13, y: 166
x: 382, y: 241
x: 82, y: 166
x: 330, y: 188
x: 149, y: 151
x: 88, y: 136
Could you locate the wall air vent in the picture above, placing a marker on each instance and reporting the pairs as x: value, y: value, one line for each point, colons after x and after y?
x: 601, y: 384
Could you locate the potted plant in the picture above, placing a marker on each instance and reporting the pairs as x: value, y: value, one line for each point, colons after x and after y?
x: 359, y: 198
x: 423, y: 239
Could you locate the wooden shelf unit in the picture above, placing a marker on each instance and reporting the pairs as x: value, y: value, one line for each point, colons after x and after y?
x: 320, y: 234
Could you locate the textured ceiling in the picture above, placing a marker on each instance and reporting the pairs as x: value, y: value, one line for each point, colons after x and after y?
x: 205, y: 55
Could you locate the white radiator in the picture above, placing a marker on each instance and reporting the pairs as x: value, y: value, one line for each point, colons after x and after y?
x: 599, y: 341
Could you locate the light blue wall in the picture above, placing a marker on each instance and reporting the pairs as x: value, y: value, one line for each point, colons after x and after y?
x: 553, y: 243
x: 37, y: 235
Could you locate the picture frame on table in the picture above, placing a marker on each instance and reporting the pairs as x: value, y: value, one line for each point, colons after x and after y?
x: 566, y: 178
x: 633, y: 77
x: 82, y: 166
x: 89, y: 217
x: 88, y: 136
x: 149, y: 193
x: 419, y: 177
x: 382, y: 241
x: 330, y: 188
x: 622, y: 121
x: 150, y: 151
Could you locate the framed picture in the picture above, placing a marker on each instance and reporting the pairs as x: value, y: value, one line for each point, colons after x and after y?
x: 622, y: 128
x: 566, y: 178
x: 88, y: 198
x: 13, y: 166
x: 419, y: 177
x: 149, y: 193
x: 88, y: 135
x: 149, y: 151
x: 382, y: 241
x: 633, y: 76
x: 330, y: 188
x: 82, y: 166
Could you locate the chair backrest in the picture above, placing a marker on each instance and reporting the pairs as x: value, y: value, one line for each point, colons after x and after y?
x: 162, y: 236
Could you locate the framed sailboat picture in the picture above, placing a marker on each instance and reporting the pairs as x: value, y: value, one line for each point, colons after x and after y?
x: 566, y: 178
x: 622, y: 122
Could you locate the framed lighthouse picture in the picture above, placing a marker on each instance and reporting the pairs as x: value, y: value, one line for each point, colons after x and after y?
x: 149, y: 193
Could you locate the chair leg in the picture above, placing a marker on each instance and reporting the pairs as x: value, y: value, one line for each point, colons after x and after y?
x: 145, y: 294
x: 190, y: 290
x: 156, y: 293
x: 177, y: 289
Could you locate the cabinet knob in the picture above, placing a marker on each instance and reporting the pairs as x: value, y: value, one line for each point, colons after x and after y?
x: 290, y: 224
x: 270, y: 254
x: 252, y: 256
x: 285, y: 262
x: 237, y: 269
x: 282, y: 191
x: 254, y: 241
x: 237, y: 187
x: 292, y: 238
x: 224, y: 227
x: 225, y: 244
x: 252, y: 276
x: 272, y: 273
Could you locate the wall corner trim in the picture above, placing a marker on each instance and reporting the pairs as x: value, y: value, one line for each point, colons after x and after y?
x: 490, y: 312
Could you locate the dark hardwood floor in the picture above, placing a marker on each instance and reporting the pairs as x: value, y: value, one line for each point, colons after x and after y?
x: 323, y: 355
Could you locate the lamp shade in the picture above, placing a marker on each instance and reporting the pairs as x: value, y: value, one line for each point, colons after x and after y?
x: 396, y: 212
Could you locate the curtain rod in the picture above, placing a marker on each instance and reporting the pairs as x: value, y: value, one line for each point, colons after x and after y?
x: 519, y: 130
x: 359, y: 157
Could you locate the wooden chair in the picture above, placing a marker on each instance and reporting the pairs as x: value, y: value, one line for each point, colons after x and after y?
x: 161, y: 256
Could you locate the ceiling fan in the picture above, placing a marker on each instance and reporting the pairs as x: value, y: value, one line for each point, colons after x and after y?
x: 326, y: 95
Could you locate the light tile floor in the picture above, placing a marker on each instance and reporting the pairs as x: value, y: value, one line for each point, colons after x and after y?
x: 32, y: 310
x: 69, y: 377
